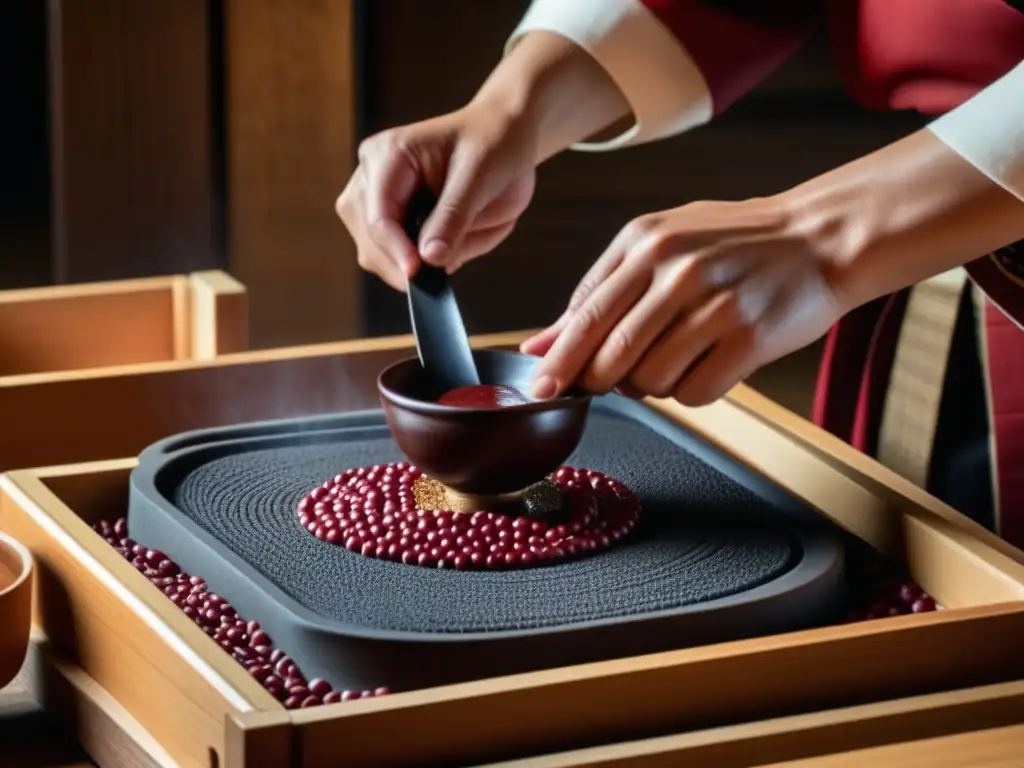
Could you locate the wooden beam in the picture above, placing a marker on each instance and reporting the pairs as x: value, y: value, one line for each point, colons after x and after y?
x: 290, y: 149
x: 132, y: 150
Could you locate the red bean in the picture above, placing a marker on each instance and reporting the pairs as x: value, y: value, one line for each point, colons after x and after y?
x: 924, y: 604
x: 273, y: 681
x: 259, y: 637
x: 319, y: 687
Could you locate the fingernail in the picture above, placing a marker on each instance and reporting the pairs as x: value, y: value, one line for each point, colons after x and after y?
x: 434, y: 252
x: 543, y: 388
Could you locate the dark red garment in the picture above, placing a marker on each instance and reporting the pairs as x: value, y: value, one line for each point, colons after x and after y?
x: 924, y: 55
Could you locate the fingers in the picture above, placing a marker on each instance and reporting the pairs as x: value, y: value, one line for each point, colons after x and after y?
x: 602, y: 269
x: 599, y: 271
x: 587, y: 328
x: 701, y: 349
x: 389, y: 272
x: 462, y: 198
x: 509, y: 205
x: 389, y: 181
x: 349, y: 207
x: 540, y: 343
x: 729, y: 363
x: 675, y: 287
x: 663, y: 366
x: 628, y: 390
x: 483, y: 175
x: 479, y: 241
x: 374, y: 224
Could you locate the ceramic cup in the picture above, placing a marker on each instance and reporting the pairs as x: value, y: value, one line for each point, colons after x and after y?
x: 15, y: 606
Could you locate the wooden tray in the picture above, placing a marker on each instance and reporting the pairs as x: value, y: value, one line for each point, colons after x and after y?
x: 971, y: 727
x: 49, y: 684
x: 55, y: 337
x: 203, y: 709
x: 979, y: 727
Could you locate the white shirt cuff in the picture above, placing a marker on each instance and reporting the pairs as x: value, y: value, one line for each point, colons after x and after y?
x: 659, y: 79
x: 988, y: 131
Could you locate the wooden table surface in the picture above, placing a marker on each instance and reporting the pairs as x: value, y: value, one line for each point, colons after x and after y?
x: 29, y: 738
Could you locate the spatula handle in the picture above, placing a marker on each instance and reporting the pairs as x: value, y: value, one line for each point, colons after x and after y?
x: 441, y: 339
x: 429, y: 278
x: 417, y: 210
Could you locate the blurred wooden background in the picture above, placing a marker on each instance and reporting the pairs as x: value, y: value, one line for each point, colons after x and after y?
x: 165, y: 136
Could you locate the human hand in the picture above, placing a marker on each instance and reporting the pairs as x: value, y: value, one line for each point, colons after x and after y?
x: 478, y: 162
x: 688, y: 302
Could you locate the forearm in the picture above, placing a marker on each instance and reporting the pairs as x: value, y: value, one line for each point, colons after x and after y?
x: 902, y: 214
x: 617, y: 73
x: 555, y: 85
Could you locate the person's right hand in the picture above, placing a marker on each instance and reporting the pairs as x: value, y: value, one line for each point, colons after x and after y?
x: 478, y: 162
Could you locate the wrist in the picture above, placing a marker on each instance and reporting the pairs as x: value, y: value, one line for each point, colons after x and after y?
x: 550, y: 85
x: 900, y: 215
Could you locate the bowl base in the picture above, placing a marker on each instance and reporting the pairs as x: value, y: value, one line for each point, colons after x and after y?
x: 541, y: 500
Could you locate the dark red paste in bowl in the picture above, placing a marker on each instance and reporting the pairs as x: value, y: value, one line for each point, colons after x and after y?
x: 483, y: 396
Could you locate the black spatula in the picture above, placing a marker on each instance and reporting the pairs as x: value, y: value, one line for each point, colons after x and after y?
x: 441, y: 340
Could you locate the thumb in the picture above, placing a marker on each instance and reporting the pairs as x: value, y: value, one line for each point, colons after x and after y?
x: 461, y: 200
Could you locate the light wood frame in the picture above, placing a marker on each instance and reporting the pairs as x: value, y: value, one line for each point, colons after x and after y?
x: 978, y: 727
x: 56, y: 339
x: 981, y: 727
x: 138, y: 648
x: 65, y: 328
x: 958, y: 728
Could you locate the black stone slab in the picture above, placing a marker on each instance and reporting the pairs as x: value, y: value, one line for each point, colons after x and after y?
x: 720, y: 554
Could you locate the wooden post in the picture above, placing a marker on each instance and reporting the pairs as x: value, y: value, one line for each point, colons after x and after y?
x: 132, y: 151
x: 290, y: 150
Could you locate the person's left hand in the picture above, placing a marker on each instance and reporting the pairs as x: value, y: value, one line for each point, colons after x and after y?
x: 688, y: 302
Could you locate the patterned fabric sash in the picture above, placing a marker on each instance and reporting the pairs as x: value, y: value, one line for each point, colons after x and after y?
x: 885, y: 380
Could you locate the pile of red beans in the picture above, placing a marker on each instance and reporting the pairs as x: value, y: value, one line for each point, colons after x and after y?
x: 880, y: 590
x: 374, y: 511
x: 244, y: 640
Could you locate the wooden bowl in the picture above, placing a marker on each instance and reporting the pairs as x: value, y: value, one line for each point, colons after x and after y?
x: 15, y: 606
x: 479, y: 451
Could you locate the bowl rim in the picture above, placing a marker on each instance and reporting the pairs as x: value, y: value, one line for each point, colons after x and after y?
x: 571, y: 397
x: 6, y: 540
